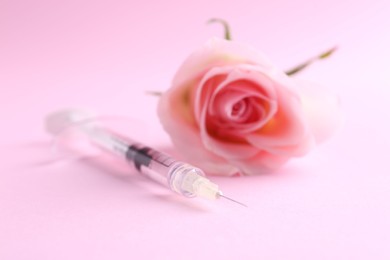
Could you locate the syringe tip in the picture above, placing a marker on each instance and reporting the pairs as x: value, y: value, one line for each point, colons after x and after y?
x: 220, y: 194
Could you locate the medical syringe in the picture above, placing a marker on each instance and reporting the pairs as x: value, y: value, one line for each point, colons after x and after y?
x: 178, y: 176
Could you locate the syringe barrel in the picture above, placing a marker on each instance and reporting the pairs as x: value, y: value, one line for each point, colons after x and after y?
x: 163, y: 168
x: 176, y: 175
x: 180, y: 177
x: 147, y: 161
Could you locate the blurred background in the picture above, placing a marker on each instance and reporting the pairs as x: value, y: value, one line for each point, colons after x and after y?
x: 104, y: 55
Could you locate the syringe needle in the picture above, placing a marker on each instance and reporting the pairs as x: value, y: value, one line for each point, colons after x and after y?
x: 220, y: 194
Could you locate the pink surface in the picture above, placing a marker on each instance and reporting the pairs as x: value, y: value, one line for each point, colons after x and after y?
x: 332, y: 204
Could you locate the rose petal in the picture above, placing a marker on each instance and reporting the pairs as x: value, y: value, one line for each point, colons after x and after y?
x: 221, y: 148
x: 307, y: 143
x: 287, y: 131
x: 322, y: 109
x: 218, y: 52
x: 263, y: 162
x: 256, y: 84
x: 205, y: 92
x: 187, y: 139
x: 197, y: 111
x: 205, y: 88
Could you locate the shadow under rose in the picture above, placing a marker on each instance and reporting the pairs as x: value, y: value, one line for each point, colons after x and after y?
x: 291, y: 168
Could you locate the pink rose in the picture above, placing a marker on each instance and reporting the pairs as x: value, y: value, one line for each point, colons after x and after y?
x: 230, y: 110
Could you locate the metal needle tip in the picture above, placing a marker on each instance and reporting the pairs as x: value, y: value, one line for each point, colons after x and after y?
x: 223, y: 196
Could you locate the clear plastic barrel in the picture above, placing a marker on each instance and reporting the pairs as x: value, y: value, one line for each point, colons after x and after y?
x: 80, y: 133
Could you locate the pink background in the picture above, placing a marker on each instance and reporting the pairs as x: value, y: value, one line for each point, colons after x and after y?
x: 103, y: 55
